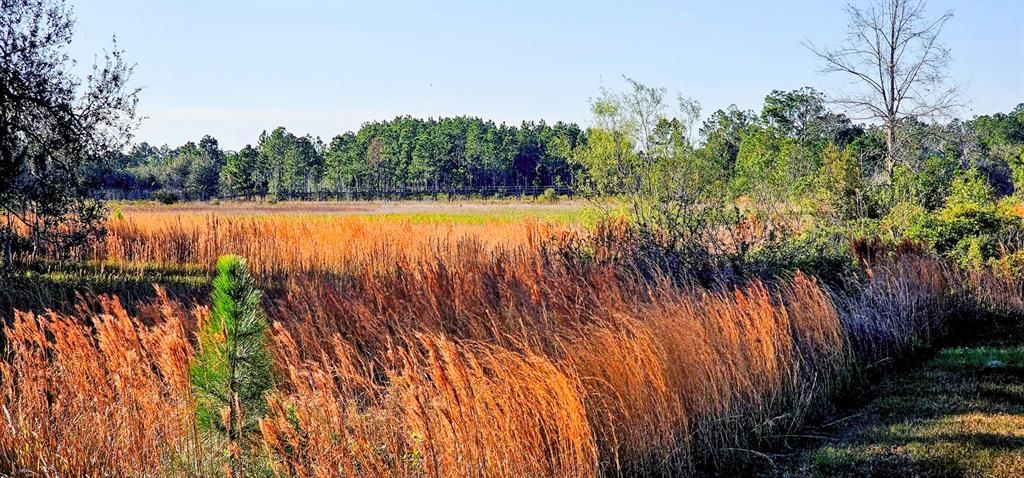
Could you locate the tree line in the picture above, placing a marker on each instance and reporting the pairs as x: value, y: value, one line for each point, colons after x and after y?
x: 786, y: 143
x: 403, y: 154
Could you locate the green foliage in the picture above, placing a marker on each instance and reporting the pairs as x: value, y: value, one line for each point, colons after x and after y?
x: 841, y: 185
x: 901, y: 219
x: 970, y: 188
x: 970, y: 226
x: 238, y: 177
x: 764, y: 164
x: 165, y: 196
x: 928, y: 186
x: 232, y: 370
x: 823, y: 251
x: 971, y: 252
x: 609, y: 161
x: 403, y: 154
x: 1010, y: 265
x: 549, y: 196
x: 58, y: 130
x: 934, y: 179
x: 722, y: 134
x: 1016, y: 164
x: 902, y: 188
x: 675, y: 197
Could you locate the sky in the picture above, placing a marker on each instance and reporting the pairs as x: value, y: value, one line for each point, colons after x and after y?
x: 232, y: 69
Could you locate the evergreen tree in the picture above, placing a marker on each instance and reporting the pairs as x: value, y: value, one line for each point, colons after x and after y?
x: 232, y: 370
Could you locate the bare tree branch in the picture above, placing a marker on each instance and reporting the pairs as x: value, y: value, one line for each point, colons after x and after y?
x: 895, y: 54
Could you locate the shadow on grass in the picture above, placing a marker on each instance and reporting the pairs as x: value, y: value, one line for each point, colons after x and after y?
x: 59, y: 286
x: 961, y: 414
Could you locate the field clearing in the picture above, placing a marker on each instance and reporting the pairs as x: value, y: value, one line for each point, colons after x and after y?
x: 403, y: 347
x: 449, y: 212
x: 321, y: 237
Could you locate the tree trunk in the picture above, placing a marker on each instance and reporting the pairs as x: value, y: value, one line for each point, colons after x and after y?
x: 890, y: 148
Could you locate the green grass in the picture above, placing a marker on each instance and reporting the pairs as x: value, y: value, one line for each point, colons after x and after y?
x: 56, y: 286
x: 565, y: 216
x: 960, y: 414
x: 981, y: 357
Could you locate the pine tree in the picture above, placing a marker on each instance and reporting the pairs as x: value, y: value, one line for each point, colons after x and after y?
x: 232, y: 370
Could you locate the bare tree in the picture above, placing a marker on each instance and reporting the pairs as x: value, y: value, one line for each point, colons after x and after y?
x: 893, y: 53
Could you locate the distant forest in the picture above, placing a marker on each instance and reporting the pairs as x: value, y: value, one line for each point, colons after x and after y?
x: 788, y: 138
x: 402, y: 155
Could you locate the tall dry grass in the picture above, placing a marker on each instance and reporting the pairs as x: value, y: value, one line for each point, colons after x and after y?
x: 455, y: 355
x: 669, y: 379
x: 97, y: 394
x: 287, y: 244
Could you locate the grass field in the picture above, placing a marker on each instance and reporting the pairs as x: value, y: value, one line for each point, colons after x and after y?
x: 506, y: 342
x: 449, y: 212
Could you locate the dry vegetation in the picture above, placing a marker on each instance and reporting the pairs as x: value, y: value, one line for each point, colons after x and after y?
x: 424, y: 349
x: 310, y: 241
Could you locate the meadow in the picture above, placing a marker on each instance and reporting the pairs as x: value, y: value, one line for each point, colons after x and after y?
x: 828, y: 285
x: 438, y: 343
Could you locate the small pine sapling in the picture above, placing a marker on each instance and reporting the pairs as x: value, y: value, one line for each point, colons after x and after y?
x: 232, y: 370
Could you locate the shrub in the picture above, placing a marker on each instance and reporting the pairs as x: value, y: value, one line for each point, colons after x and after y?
x: 549, y: 196
x: 971, y: 226
x: 901, y: 219
x: 823, y: 251
x: 1010, y: 265
x: 166, y: 196
x: 841, y: 186
x: 903, y: 188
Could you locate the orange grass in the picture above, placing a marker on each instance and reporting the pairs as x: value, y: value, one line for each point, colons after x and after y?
x: 455, y: 352
x: 100, y: 395
x: 279, y: 244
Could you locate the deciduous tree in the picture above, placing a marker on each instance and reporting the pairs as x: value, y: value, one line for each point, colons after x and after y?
x: 56, y: 129
x: 894, y: 53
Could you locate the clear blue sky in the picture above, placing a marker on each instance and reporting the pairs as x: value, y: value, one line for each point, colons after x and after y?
x: 232, y: 69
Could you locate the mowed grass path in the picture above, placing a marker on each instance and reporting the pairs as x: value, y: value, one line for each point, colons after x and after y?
x: 960, y: 414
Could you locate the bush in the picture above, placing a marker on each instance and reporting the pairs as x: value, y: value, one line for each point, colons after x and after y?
x: 549, y: 196
x: 903, y: 188
x: 901, y: 219
x: 841, y: 186
x: 166, y: 196
x: 971, y: 252
x: 1009, y: 265
x: 823, y: 251
x: 972, y: 226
